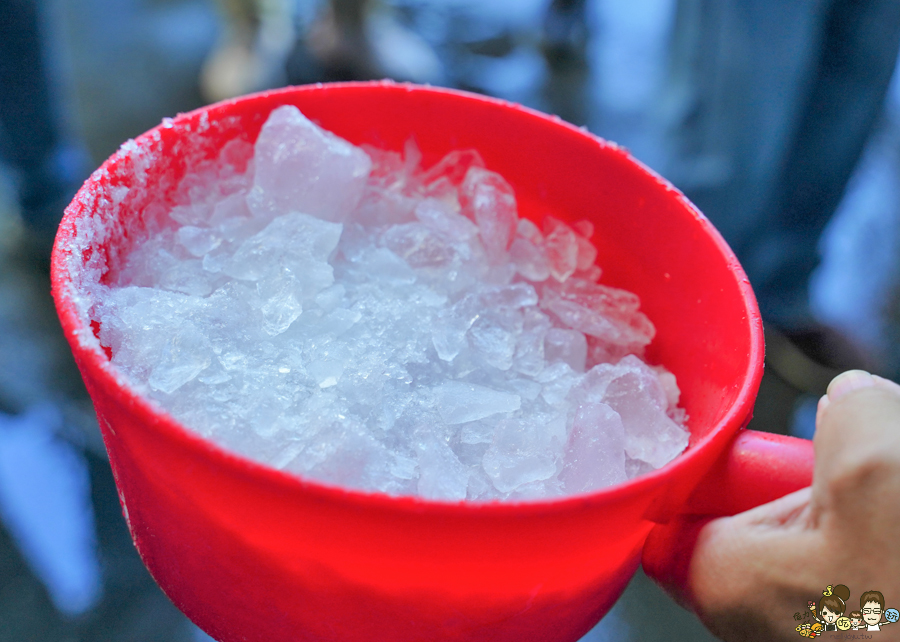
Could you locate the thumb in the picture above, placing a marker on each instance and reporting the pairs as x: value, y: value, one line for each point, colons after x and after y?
x: 856, y: 484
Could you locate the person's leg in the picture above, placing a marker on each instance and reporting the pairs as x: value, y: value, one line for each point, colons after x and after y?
x: 252, y: 51
x: 734, y: 91
x: 770, y: 103
x: 565, y: 30
x: 847, y: 93
x: 363, y: 40
x: 339, y: 42
x: 564, y: 46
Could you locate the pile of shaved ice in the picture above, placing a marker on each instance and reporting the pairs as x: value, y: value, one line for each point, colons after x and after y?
x: 346, y: 315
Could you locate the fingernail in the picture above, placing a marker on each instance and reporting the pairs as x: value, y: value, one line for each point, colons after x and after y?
x: 849, y: 381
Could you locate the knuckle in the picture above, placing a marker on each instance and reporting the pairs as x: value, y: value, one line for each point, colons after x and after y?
x: 865, y: 475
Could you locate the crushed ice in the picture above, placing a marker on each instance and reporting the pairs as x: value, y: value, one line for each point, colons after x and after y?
x: 344, y: 314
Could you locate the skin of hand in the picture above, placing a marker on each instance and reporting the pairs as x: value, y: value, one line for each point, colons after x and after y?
x: 745, y: 576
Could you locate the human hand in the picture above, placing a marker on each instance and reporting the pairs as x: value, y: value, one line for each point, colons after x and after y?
x: 745, y: 576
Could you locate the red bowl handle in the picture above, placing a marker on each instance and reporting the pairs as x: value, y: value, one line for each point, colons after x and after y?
x: 757, y: 468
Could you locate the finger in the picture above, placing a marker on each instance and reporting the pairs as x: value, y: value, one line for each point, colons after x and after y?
x: 857, y: 469
x: 849, y: 428
x: 851, y: 380
x: 854, y: 417
x: 856, y: 484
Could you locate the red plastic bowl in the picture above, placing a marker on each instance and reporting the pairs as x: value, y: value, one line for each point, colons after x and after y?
x: 250, y: 553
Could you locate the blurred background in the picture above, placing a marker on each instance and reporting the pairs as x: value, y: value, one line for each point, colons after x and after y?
x: 780, y: 119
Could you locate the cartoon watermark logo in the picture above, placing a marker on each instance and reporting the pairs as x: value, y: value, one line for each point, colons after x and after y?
x: 830, y: 613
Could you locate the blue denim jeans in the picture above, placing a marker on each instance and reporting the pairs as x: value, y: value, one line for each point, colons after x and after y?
x: 768, y: 108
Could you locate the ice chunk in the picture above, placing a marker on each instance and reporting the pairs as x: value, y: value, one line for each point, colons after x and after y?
x: 633, y: 390
x: 416, y: 244
x: 298, y: 243
x: 326, y: 373
x: 515, y: 295
x: 459, y: 402
x: 189, y: 214
x: 530, y: 260
x: 185, y: 276
x: 441, y: 475
x: 636, y: 467
x: 380, y: 206
x: 529, y: 358
x: 587, y: 254
x: 524, y: 451
x: 453, y: 167
x: 183, y: 355
x: 669, y: 385
x: 198, y: 240
x: 476, y: 432
x: 449, y: 330
x: 595, y: 453
x: 229, y: 213
x: 489, y: 200
x: 557, y: 381
x: 381, y: 263
x: 609, y: 314
x: 350, y: 456
x: 440, y: 218
x: 570, y: 346
x: 139, y: 329
x: 303, y: 168
x: 584, y: 228
x: 529, y: 231
x: 561, y: 246
x: 527, y: 389
x: 493, y: 337
x: 330, y: 298
x: 281, y: 301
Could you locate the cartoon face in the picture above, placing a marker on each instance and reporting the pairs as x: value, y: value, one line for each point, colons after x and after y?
x: 871, y: 613
x: 843, y: 623
x: 892, y: 615
x: 830, y: 616
x: 855, y: 621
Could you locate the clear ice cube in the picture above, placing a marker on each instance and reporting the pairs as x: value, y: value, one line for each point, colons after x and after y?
x: 300, y: 167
